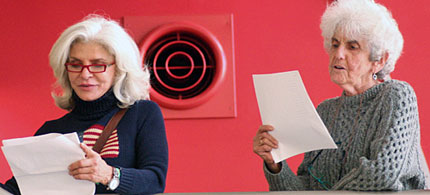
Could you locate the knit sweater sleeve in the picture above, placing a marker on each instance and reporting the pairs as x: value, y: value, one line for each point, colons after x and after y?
x: 149, y: 175
x: 393, y: 149
x: 286, y: 180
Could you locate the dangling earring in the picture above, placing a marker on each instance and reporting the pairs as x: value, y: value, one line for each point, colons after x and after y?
x: 374, y: 76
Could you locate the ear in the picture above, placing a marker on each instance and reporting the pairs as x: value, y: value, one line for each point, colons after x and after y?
x: 378, y: 65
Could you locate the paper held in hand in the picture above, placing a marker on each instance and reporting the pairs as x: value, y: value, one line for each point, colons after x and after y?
x: 285, y: 104
x: 39, y: 164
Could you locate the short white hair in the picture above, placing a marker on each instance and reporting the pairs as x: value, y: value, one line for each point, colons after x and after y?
x: 131, y: 81
x: 367, y: 20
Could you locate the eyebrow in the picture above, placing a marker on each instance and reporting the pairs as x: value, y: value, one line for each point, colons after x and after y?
x: 348, y: 42
x: 353, y: 42
x: 92, y: 60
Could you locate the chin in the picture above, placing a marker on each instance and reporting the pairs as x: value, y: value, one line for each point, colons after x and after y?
x: 337, y: 81
x: 88, y: 97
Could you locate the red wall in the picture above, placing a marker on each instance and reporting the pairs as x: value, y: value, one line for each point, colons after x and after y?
x: 206, y: 155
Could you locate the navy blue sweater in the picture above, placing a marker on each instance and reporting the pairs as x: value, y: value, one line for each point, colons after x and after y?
x: 143, y: 153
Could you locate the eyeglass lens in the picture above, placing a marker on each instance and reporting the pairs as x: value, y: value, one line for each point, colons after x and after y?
x: 94, y: 68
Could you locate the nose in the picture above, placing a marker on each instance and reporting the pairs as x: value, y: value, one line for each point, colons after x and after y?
x: 86, y: 74
x: 339, y: 53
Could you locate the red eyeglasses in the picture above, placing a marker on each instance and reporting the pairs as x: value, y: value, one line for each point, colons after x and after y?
x: 92, y: 68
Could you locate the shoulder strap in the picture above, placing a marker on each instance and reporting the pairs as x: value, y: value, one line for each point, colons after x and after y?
x: 107, y: 131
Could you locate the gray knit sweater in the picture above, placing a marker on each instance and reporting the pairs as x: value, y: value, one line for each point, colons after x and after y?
x: 378, y: 137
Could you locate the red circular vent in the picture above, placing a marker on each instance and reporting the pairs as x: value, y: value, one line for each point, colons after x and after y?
x: 186, y: 63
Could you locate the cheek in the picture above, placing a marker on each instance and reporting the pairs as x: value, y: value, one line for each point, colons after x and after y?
x: 351, y: 64
x: 357, y: 67
x: 359, y: 61
x: 71, y: 78
x: 110, y: 79
x: 330, y: 57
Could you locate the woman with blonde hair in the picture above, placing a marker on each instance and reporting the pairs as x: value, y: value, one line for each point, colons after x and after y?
x: 98, y: 66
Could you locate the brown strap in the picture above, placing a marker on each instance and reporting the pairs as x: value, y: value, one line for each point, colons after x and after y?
x: 107, y: 131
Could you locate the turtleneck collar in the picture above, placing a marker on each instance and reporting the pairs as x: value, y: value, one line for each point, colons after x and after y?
x: 90, y: 110
x: 367, y: 95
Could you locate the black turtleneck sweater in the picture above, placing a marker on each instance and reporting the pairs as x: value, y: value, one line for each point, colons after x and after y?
x: 143, y: 153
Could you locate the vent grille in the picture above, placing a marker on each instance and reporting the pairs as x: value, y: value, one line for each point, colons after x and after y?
x: 182, y: 65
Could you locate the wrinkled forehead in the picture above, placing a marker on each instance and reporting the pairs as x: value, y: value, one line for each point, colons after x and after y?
x: 344, y: 35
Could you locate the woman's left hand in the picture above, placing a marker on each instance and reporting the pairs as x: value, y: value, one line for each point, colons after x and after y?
x: 92, y: 168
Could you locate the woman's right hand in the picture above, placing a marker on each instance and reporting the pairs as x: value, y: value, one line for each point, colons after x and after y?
x: 92, y: 168
x: 263, y: 144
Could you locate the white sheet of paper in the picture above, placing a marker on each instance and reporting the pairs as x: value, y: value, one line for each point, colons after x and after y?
x: 285, y: 104
x: 39, y: 164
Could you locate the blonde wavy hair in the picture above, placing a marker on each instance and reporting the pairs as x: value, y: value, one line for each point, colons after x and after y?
x: 131, y: 81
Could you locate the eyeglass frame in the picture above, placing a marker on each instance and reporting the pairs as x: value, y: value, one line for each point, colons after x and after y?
x: 319, y: 180
x: 87, y: 67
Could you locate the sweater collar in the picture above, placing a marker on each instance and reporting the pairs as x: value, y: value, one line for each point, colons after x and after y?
x: 90, y: 110
x: 367, y: 95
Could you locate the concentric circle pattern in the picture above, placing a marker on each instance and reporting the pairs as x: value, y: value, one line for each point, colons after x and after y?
x: 182, y: 65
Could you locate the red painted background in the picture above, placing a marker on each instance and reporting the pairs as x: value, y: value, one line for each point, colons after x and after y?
x: 206, y: 155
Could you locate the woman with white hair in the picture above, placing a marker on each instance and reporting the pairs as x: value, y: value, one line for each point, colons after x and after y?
x: 374, y: 122
x: 98, y: 66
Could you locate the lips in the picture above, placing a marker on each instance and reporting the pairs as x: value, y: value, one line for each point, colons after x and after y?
x: 87, y: 87
x: 338, y: 67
